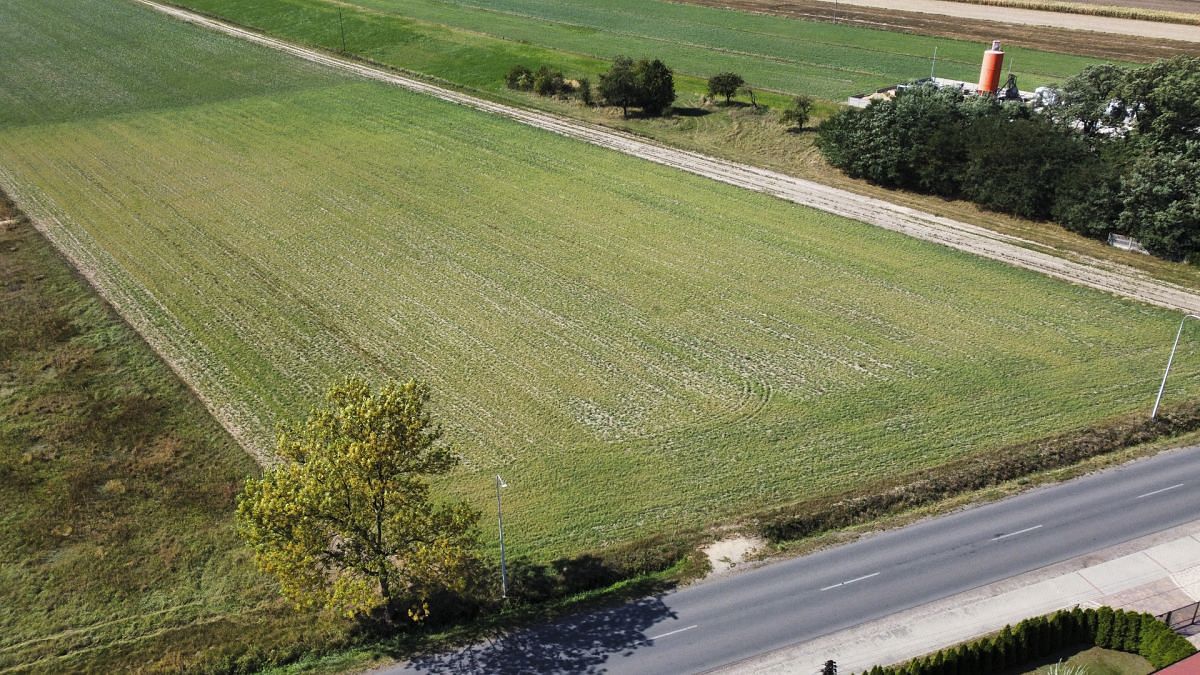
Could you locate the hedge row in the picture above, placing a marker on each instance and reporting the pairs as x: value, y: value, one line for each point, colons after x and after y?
x: 1131, y: 632
x: 973, y: 473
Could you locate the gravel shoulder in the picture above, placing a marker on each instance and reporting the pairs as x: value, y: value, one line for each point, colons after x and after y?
x: 1097, y: 274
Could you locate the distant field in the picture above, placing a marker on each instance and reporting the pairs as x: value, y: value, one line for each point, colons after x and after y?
x: 474, y: 43
x: 633, y: 348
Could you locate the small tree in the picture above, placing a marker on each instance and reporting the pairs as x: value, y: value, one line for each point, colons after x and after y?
x: 797, y: 114
x: 619, y: 86
x: 346, y: 520
x: 519, y: 77
x: 585, y: 91
x: 725, y: 84
x: 655, y: 85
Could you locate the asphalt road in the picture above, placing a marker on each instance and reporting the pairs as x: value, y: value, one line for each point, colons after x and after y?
x: 714, y: 624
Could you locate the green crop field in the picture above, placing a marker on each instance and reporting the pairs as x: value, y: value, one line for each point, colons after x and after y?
x: 632, y: 347
x: 474, y: 43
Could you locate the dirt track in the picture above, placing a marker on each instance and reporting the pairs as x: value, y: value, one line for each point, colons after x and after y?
x: 1032, y: 17
x: 958, y: 235
x: 1045, y: 38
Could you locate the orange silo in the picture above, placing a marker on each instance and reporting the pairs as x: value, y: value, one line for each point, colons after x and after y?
x: 989, y: 74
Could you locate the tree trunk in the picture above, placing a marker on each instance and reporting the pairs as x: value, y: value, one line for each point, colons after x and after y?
x: 389, y: 613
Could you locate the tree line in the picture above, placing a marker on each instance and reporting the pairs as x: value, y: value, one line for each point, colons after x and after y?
x: 647, y: 84
x: 1114, y: 150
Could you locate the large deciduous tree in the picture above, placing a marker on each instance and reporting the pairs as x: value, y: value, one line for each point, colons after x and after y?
x: 1162, y: 203
x: 346, y: 519
x: 1091, y: 99
x: 619, y: 86
x: 656, y: 86
x: 725, y: 84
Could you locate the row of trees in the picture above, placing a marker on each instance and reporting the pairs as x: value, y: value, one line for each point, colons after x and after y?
x: 1117, y: 151
x: 647, y: 84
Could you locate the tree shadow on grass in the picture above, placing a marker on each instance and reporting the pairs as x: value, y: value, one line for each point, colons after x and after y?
x: 582, y: 643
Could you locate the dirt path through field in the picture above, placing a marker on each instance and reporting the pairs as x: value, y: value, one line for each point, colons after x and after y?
x: 1033, y: 17
x: 1044, y: 38
x: 962, y: 236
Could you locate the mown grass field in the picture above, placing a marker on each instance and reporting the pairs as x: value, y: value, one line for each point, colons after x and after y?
x: 474, y: 43
x: 633, y: 348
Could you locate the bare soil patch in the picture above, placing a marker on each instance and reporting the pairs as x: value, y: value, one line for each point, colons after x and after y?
x: 1181, y: 6
x: 727, y: 554
x: 1047, y: 38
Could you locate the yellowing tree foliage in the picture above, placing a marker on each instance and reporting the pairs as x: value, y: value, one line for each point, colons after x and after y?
x: 346, y: 521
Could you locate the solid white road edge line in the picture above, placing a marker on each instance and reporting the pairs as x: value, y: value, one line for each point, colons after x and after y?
x: 1013, y: 534
x: 1157, y: 492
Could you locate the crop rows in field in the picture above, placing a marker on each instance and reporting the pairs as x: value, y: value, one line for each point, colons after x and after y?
x: 632, y: 347
x: 474, y: 43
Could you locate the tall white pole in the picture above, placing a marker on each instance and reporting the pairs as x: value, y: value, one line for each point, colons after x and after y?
x: 500, y: 519
x: 1170, y: 360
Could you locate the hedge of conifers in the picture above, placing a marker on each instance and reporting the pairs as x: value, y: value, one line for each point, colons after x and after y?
x: 1131, y: 632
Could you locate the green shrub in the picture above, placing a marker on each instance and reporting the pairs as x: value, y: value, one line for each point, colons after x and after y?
x: 519, y: 77
x: 549, y: 82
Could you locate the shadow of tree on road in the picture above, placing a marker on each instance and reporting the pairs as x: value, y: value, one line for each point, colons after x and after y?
x: 575, y: 644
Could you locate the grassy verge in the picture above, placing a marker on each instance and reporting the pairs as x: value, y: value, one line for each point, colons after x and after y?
x: 972, y: 474
x: 1096, y: 661
x: 116, y: 489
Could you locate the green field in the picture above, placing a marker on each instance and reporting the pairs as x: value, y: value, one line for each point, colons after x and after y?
x: 633, y: 348
x: 116, y: 494
x: 473, y: 43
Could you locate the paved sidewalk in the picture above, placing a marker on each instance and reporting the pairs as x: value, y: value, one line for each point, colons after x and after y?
x: 1153, y: 574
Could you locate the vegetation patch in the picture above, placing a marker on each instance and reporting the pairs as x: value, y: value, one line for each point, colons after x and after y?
x: 636, y: 350
x: 1113, y: 151
x: 117, y: 492
x: 969, y: 474
x: 1016, y: 646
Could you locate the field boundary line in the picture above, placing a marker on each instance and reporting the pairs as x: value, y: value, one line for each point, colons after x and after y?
x: 948, y: 232
x: 112, y: 285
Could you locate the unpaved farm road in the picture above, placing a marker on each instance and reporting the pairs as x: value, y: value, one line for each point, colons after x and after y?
x: 948, y: 232
x: 1037, y: 17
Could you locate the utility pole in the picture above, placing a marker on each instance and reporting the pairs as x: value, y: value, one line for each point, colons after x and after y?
x: 1170, y: 359
x: 500, y: 518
